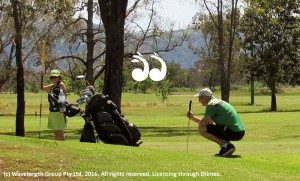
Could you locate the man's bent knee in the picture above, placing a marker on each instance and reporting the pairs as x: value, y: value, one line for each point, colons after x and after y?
x: 202, y: 129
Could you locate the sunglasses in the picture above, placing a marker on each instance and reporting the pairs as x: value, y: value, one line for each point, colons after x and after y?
x: 53, y: 78
x: 200, y: 97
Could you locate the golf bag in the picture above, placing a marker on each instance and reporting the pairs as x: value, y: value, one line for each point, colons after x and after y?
x: 112, y: 127
x: 71, y: 109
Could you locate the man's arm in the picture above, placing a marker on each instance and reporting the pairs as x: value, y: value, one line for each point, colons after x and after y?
x: 192, y: 117
x: 203, y: 122
x: 206, y: 120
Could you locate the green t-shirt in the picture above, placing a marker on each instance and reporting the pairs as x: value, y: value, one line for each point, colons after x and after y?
x: 222, y: 113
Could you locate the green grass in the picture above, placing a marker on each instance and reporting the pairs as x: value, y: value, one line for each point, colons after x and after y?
x: 269, y: 151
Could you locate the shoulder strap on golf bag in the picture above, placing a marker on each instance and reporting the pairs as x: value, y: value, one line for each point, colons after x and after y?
x: 111, y: 127
x: 55, y: 89
x: 53, y: 98
x: 53, y: 102
x: 71, y: 109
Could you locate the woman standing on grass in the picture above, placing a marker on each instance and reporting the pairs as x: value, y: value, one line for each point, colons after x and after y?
x: 56, y: 119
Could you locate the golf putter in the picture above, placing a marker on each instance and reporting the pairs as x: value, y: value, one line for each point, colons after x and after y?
x: 188, y: 134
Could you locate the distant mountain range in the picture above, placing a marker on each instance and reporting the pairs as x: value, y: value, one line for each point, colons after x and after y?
x: 182, y: 55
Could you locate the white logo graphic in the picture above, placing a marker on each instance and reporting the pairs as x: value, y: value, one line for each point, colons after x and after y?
x: 154, y: 74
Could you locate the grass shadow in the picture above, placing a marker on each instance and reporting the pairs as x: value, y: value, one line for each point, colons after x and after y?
x: 230, y: 156
x: 153, y: 131
x: 268, y: 111
x: 75, y: 134
x: 48, y: 134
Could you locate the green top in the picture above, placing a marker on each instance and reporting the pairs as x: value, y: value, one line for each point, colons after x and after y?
x: 222, y: 113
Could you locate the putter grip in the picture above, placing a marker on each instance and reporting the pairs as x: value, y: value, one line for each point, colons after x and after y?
x: 190, y: 105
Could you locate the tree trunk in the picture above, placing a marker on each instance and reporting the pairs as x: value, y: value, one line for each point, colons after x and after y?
x: 221, y: 66
x: 90, y: 44
x: 252, y: 89
x: 252, y: 57
x: 113, y: 14
x: 17, y: 12
x: 232, y: 31
x: 273, y: 96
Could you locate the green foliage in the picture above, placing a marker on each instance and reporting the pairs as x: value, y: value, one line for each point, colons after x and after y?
x: 177, y: 75
x: 271, y: 38
x: 270, y: 27
x: 163, y: 89
x: 99, y: 83
x: 207, y: 66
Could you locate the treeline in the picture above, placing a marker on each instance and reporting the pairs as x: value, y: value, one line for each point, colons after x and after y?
x: 177, y: 76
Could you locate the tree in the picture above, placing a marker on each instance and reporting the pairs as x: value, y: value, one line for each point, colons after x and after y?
x: 249, y: 61
x: 6, y: 66
x: 207, y: 65
x: 275, y: 39
x: 176, y: 75
x: 7, y: 48
x: 224, y: 65
x: 158, y: 36
x: 163, y: 89
x: 209, y: 54
x: 84, y: 37
x: 88, y: 36
x: 113, y: 14
x: 17, y: 16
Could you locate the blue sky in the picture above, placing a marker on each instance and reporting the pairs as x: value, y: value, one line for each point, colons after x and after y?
x: 179, y: 11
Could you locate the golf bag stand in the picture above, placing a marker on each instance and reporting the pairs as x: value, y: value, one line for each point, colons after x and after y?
x: 87, y: 134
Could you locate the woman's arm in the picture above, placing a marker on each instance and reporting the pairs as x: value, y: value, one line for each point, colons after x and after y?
x: 47, y: 88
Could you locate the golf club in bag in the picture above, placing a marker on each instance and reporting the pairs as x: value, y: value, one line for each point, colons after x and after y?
x: 102, y: 115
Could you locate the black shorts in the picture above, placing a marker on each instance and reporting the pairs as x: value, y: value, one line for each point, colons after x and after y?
x: 224, y: 133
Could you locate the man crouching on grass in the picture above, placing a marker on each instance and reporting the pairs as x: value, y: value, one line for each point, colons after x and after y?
x: 220, y: 124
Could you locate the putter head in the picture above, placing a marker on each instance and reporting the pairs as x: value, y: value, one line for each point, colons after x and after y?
x: 80, y: 77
